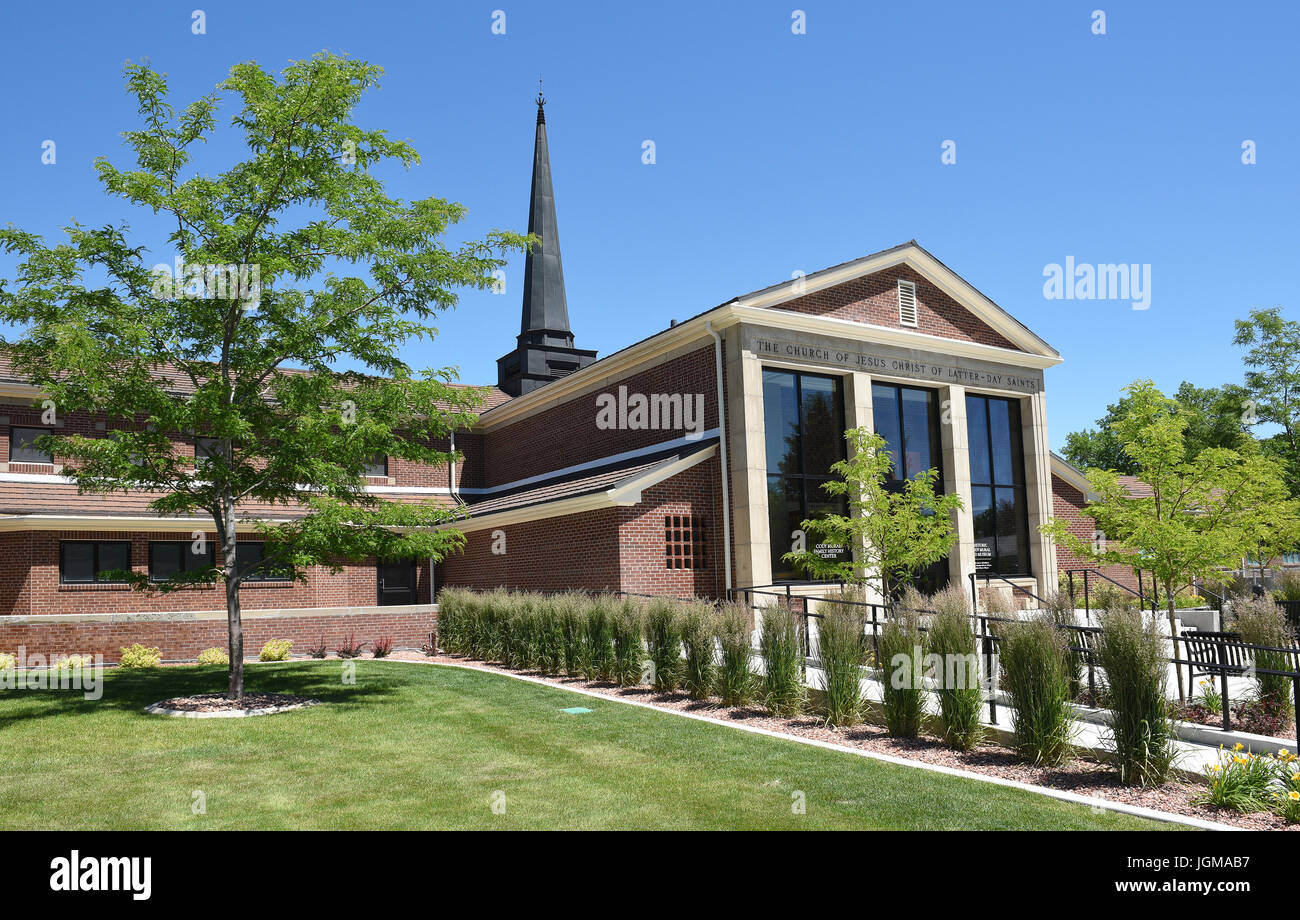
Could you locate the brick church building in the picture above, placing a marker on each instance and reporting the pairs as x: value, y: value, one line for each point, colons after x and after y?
x: 681, y: 464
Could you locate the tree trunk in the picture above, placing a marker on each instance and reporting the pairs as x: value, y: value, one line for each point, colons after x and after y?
x: 1173, y: 643
x: 236, y: 627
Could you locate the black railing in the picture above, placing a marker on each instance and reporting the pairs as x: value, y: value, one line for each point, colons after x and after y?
x: 1213, y: 654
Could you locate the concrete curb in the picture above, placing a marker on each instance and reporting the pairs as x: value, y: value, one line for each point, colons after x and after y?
x: 1059, y: 794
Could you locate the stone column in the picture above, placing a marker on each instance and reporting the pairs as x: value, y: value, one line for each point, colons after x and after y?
x: 751, y: 554
x: 1038, y: 490
x: 956, y: 481
x: 858, y: 414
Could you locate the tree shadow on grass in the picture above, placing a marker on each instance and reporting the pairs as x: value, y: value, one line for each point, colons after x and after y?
x: 132, y: 691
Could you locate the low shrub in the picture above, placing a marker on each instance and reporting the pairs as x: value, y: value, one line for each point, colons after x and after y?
x: 8, y: 661
x: 697, y: 628
x: 598, y: 638
x: 961, y: 698
x: 736, y: 681
x: 842, y: 647
x: 214, y: 656
x: 1130, y: 650
x: 319, y: 651
x: 1241, y: 781
x: 73, y: 663
x: 1262, y: 622
x: 902, y: 651
x: 276, y: 650
x: 383, y: 646
x: 628, y: 625
x: 1036, y: 672
x: 780, y: 645
x: 1286, y: 586
x: 139, y: 657
x: 663, y: 634
x: 349, y: 649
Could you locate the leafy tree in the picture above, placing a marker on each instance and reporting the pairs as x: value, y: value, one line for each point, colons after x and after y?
x: 1215, y: 418
x: 253, y: 366
x: 1273, y: 384
x: 896, y: 530
x: 1203, y: 513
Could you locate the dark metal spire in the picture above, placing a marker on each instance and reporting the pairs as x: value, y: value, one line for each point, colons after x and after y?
x: 546, y: 309
x: 545, y: 349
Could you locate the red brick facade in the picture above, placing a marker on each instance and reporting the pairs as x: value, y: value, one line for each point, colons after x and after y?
x: 874, y: 299
x: 1067, y: 504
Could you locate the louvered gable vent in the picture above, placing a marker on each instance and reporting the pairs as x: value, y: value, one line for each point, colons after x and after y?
x: 907, y: 303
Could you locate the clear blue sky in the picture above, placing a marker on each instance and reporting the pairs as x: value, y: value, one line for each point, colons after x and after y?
x: 776, y: 152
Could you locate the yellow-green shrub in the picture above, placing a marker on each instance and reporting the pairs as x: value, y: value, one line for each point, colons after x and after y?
x: 214, y: 656
x: 140, y: 656
x: 7, y: 661
x: 73, y: 662
x: 276, y: 650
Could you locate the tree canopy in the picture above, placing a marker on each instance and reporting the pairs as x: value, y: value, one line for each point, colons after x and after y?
x: 283, y: 270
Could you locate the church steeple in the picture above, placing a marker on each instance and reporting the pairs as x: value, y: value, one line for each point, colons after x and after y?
x: 545, y: 349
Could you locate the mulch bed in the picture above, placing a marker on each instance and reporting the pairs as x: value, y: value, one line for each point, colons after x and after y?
x: 1082, y: 776
x: 217, y: 702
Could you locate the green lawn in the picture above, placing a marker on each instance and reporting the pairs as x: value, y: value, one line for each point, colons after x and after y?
x: 417, y: 746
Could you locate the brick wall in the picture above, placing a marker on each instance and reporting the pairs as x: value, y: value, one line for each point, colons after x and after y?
x: 697, y: 492
x: 181, y: 638
x: 29, y: 582
x: 566, y: 434
x: 874, y: 299
x: 1067, y: 505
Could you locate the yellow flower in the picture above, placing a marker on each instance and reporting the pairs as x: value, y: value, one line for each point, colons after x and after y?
x: 1293, y: 796
x: 1283, y: 753
x: 1238, y: 746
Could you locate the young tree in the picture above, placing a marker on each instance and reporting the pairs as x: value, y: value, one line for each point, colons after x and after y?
x: 294, y: 261
x: 896, y: 531
x: 1202, y: 514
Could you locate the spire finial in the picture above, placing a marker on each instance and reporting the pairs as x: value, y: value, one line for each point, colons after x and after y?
x: 541, y: 102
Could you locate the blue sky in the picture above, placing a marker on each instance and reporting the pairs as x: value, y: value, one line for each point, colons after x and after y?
x: 775, y: 152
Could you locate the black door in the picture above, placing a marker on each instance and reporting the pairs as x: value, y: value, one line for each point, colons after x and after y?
x: 396, y: 583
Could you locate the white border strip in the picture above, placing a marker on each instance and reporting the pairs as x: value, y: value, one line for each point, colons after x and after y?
x: 1060, y: 794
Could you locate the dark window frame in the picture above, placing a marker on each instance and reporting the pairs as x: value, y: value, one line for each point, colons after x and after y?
x: 185, y: 554
x: 932, y: 429
x: 94, y: 562
x: 366, y: 468
x: 806, y: 481
x: 1019, y: 490
x: 40, y: 431
x: 263, y: 575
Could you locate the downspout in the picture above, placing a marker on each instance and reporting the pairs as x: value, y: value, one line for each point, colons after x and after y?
x: 722, y: 445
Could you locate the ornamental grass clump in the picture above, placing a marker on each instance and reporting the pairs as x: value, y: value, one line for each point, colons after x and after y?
x: 598, y: 638
x: 697, y: 628
x: 902, y: 651
x: 455, y: 620
x: 572, y: 610
x: 843, y: 651
x: 663, y: 634
x: 1131, y: 651
x: 781, y: 647
x: 961, y: 698
x: 1036, y: 670
x: 628, y: 626
x: 736, y: 680
x: 549, y: 645
x: 1262, y: 622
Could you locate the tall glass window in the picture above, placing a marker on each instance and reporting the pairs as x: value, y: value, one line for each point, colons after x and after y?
x: 908, y: 419
x: 997, y: 476
x: 803, y: 417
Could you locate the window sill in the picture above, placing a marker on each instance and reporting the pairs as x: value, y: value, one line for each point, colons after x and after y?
x: 93, y: 586
x: 266, y: 584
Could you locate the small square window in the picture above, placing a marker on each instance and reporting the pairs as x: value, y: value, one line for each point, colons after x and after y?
x: 377, y: 467
x: 684, y: 542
